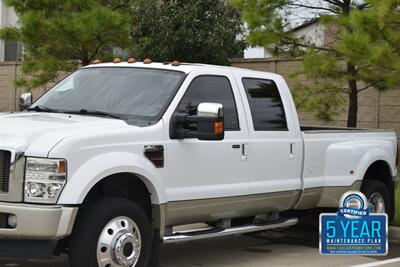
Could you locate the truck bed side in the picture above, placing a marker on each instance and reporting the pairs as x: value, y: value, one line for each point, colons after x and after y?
x: 336, y: 160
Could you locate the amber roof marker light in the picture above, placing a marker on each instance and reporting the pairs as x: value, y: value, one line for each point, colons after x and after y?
x: 175, y: 63
x: 117, y: 60
x: 131, y: 60
x: 147, y: 61
x: 96, y: 61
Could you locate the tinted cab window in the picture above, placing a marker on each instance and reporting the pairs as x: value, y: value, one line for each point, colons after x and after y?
x: 215, y: 89
x: 266, y: 105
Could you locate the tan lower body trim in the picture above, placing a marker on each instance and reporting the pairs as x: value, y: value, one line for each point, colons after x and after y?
x: 203, y: 210
x: 324, y: 197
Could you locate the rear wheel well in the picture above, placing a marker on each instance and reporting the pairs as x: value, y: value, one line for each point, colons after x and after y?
x: 380, y: 170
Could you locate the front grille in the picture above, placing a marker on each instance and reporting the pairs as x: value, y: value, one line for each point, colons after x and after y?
x: 5, y: 166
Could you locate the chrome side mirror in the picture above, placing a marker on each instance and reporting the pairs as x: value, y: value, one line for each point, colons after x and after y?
x: 208, y: 124
x: 213, y: 110
x: 25, y: 100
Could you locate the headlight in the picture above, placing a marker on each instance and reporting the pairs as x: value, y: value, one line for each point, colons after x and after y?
x: 44, y: 179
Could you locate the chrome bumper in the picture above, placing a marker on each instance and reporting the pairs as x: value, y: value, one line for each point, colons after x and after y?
x: 38, y: 221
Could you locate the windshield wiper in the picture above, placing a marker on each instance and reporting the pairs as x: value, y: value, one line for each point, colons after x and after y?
x: 95, y: 112
x: 40, y: 108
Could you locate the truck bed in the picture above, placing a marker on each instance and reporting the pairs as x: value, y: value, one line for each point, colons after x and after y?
x: 333, y: 129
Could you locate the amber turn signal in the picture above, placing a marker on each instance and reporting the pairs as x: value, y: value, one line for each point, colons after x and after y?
x: 62, y: 167
x: 218, y: 128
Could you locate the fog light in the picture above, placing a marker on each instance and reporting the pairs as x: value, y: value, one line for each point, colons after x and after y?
x: 12, y: 221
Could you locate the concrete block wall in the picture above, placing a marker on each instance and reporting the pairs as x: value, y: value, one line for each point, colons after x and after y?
x: 376, y: 109
x: 7, y: 88
x: 9, y: 93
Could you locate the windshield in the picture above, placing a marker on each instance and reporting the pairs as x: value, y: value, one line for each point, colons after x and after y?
x: 131, y: 93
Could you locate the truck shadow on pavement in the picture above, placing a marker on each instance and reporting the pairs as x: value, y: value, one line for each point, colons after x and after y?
x: 295, y: 246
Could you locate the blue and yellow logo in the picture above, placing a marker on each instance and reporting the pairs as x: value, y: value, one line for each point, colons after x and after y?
x: 353, y: 230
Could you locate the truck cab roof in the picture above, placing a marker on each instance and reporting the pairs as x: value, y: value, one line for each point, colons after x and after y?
x: 184, y: 67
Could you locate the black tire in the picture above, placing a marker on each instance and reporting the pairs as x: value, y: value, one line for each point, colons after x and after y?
x: 91, y: 222
x: 369, y: 187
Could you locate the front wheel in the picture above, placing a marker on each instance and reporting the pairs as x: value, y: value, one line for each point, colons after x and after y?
x: 111, y: 232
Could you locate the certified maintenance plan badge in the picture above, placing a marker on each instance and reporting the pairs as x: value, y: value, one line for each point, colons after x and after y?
x: 353, y: 230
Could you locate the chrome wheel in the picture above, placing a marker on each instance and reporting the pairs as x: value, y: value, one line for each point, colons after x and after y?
x: 376, y: 203
x: 119, y: 243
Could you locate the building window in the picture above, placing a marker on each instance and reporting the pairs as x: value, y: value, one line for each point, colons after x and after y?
x: 12, y: 51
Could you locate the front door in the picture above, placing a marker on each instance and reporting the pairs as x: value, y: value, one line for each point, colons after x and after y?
x: 211, y: 171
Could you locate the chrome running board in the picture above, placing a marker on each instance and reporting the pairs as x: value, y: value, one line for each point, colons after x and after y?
x: 212, y: 232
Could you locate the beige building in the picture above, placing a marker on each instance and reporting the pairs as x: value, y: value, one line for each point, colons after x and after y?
x: 313, y: 32
x: 9, y: 51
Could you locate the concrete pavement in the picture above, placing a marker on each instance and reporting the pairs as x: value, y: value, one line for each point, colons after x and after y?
x: 291, y: 247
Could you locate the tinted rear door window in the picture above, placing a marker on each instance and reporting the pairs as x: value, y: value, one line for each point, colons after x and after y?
x: 266, y: 105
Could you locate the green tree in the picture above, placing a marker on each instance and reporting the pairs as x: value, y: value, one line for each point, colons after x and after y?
x: 204, y: 31
x: 60, y: 35
x: 374, y: 43
x: 340, y: 69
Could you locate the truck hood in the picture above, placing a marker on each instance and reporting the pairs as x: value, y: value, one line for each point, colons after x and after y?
x: 37, y: 133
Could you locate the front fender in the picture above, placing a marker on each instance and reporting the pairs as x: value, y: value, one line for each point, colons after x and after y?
x: 101, y: 166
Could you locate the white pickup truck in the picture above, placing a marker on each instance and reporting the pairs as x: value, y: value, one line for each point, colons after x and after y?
x: 106, y: 163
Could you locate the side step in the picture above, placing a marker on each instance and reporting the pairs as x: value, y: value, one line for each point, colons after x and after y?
x: 199, y: 234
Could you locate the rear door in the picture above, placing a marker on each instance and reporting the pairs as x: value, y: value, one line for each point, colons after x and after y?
x: 275, y: 146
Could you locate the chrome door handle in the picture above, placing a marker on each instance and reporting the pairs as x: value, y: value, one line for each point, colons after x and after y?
x: 292, y: 154
x: 245, y: 151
